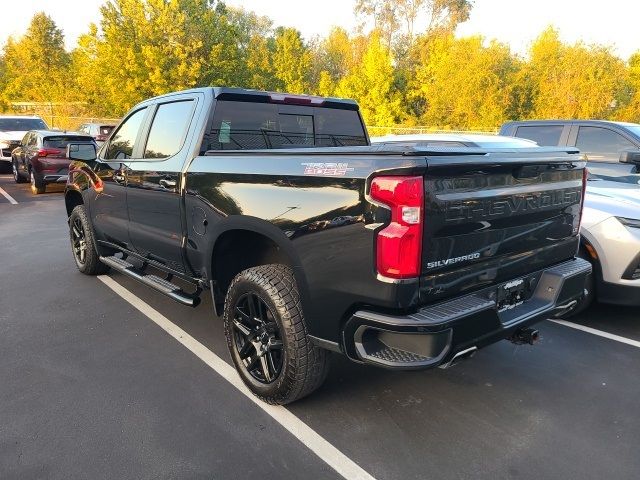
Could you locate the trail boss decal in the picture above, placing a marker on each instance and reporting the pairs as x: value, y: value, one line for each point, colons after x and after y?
x: 327, y: 169
x: 451, y: 261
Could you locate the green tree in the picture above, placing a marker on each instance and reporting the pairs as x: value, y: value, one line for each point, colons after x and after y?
x: 371, y: 83
x: 573, y: 81
x: 631, y: 111
x: 463, y: 84
x: 36, y: 65
x: 291, y: 61
x: 396, y: 19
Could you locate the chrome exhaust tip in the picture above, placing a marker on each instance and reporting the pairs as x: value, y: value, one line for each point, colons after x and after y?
x: 467, y: 353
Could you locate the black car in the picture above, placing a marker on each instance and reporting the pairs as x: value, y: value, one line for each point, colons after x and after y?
x: 41, y: 157
x: 601, y: 141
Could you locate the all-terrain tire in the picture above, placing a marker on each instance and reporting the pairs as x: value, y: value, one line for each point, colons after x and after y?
x: 83, y: 240
x: 304, y: 365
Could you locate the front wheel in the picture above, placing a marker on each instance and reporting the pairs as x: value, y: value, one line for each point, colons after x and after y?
x: 16, y: 173
x: 83, y: 244
x: 267, y: 336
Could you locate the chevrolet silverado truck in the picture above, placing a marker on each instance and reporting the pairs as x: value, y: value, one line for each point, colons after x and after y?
x: 309, y: 240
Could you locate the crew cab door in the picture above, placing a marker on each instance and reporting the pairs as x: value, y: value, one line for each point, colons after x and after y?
x: 154, y: 198
x: 109, y: 209
x: 602, y: 146
x: 19, y: 154
x: 30, y: 150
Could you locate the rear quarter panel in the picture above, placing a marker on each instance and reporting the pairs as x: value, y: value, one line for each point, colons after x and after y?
x: 315, y: 210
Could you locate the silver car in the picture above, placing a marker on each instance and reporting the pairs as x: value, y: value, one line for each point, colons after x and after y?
x: 611, y: 241
x: 610, y: 222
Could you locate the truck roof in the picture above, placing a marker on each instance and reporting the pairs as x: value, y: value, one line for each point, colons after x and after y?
x: 572, y: 121
x: 260, y: 96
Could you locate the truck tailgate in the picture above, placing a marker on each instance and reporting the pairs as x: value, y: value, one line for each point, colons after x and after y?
x: 497, y: 216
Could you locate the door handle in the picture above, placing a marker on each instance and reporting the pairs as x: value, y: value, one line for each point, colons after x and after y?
x: 118, y: 177
x: 167, y: 183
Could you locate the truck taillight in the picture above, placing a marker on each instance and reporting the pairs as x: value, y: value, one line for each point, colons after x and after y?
x: 399, y: 244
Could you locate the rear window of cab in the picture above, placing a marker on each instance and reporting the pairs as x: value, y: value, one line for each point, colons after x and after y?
x: 252, y: 125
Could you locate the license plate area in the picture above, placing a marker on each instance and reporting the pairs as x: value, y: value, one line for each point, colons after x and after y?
x: 513, y: 294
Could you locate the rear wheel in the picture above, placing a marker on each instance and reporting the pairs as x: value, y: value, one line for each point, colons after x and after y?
x: 83, y: 244
x: 267, y: 336
x: 37, y: 185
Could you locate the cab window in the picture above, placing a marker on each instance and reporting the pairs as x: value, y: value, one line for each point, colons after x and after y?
x: 253, y: 125
x: 169, y: 127
x: 123, y: 141
x: 543, y: 135
x: 601, y: 140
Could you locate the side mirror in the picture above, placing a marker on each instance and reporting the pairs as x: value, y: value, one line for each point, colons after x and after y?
x: 81, y: 151
x: 630, y: 156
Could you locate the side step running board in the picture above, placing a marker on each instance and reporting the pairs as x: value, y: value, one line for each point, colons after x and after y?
x: 160, y: 284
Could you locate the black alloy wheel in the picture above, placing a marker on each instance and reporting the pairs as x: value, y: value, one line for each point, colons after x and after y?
x: 267, y: 335
x: 257, y: 338
x: 78, y: 241
x: 83, y: 244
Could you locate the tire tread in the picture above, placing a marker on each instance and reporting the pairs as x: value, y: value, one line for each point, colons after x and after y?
x: 307, y: 367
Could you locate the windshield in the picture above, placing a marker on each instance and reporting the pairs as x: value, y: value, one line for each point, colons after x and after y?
x: 21, y: 124
x: 635, y: 129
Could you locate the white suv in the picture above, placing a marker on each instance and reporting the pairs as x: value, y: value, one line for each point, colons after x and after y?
x: 12, y: 130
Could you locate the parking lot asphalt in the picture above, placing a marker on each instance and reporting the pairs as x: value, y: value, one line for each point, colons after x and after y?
x: 92, y: 388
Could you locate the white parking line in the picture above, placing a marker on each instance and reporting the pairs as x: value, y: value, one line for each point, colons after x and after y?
x: 8, y: 197
x: 333, y: 457
x: 600, y: 333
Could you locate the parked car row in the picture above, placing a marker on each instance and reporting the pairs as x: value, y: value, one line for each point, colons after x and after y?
x: 37, y: 154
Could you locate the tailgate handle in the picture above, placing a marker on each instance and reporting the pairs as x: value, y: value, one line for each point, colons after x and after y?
x: 528, y: 171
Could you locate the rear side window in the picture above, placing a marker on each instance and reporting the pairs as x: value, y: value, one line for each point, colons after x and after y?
x: 251, y: 125
x: 123, y: 141
x: 21, y: 124
x: 543, y: 135
x: 601, y: 140
x: 168, y: 129
x: 63, y: 140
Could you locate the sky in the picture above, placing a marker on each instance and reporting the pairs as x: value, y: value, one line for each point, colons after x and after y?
x: 516, y: 22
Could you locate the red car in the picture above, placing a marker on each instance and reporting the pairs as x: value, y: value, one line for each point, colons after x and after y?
x: 41, y: 157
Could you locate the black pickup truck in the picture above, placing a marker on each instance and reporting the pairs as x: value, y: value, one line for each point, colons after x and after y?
x: 310, y: 240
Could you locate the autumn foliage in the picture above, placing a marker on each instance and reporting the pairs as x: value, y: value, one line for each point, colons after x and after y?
x: 404, y: 65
